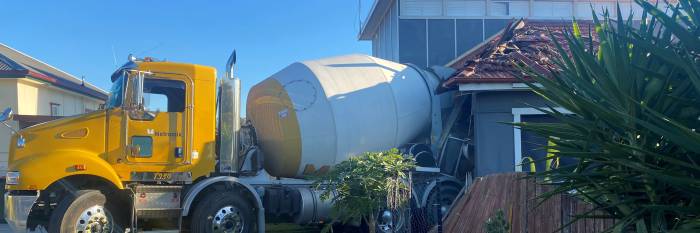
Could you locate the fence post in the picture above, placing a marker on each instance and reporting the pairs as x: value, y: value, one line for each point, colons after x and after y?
x: 438, y: 207
x: 409, y: 212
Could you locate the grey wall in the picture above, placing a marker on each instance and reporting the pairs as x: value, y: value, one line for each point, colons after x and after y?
x: 429, y: 42
x: 385, y: 43
x: 493, y: 139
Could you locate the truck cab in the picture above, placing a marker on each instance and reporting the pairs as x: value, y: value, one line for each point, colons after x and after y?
x: 157, y: 128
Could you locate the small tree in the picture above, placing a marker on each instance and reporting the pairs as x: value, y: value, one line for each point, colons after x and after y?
x: 364, y: 185
x: 497, y: 223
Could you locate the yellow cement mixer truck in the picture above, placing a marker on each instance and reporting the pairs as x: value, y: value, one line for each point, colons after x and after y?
x: 169, y: 150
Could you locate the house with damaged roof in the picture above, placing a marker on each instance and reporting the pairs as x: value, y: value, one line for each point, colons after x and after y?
x: 491, y: 92
x: 463, y: 34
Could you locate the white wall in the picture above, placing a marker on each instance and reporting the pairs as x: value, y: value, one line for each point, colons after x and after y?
x: 8, y: 93
x: 36, y: 98
x: 29, y: 97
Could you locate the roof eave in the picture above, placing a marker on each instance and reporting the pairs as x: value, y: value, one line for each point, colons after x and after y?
x: 13, y: 73
x: 494, y: 86
x: 68, y: 87
x: 88, y: 85
x: 52, y: 81
x: 374, y: 18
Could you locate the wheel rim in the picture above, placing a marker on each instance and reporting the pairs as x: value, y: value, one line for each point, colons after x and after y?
x: 228, y: 220
x: 391, y: 221
x: 95, y: 219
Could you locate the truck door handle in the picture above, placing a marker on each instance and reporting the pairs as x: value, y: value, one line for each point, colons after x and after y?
x: 178, y: 152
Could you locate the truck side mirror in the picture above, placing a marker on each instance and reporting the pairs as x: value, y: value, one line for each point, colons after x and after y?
x: 6, y: 115
x: 136, y: 101
x: 137, y: 105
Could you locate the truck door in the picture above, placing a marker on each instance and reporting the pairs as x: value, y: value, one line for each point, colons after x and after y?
x: 155, y: 134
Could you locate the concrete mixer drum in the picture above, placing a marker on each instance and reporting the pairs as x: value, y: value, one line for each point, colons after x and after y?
x: 312, y: 115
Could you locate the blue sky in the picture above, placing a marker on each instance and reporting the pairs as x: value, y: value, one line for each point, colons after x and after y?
x: 80, y: 37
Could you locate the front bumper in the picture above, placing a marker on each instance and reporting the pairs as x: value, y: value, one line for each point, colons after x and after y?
x: 17, y: 207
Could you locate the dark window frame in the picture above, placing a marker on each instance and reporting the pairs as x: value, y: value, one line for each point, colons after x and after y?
x: 51, y: 109
x: 173, y: 91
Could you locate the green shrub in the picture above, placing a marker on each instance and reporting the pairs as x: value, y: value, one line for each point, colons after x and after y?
x: 364, y: 185
x: 497, y: 223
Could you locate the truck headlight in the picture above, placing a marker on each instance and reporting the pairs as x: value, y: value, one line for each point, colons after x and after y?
x: 21, y: 141
x: 12, y: 178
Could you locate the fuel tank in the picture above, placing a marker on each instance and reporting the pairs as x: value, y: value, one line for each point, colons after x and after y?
x: 314, y: 114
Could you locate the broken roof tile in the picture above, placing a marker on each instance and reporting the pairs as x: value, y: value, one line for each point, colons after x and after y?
x: 521, y: 42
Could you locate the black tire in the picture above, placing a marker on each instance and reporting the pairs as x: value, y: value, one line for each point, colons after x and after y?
x: 66, y: 215
x: 206, y: 210
x: 448, y: 193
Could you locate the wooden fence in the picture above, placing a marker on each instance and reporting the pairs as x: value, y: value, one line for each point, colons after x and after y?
x: 517, y: 198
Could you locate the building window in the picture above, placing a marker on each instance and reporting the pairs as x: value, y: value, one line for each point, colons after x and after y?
x: 413, y: 42
x: 527, y: 146
x: 55, y: 109
x: 441, y: 41
x: 492, y: 26
x: 470, y: 32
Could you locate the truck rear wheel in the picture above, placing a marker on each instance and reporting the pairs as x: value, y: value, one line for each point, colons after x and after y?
x: 82, y: 212
x: 224, y: 212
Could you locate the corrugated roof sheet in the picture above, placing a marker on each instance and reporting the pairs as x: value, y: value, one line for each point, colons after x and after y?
x: 521, y: 42
x: 16, y: 64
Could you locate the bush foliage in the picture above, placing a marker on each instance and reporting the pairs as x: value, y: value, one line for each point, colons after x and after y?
x: 634, y: 118
x: 497, y: 223
x: 363, y: 186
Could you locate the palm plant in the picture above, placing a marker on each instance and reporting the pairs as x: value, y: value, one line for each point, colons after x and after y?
x: 633, y: 97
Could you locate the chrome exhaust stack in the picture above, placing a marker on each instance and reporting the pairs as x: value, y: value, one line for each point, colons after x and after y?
x: 229, y: 124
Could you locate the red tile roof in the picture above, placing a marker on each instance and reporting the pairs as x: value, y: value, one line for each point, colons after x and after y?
x: 523, y: 42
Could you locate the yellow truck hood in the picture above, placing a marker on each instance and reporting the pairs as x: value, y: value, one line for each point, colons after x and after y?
x: 84, y: 132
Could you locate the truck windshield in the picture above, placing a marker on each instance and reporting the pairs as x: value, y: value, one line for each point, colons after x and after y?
x: 116, y: 93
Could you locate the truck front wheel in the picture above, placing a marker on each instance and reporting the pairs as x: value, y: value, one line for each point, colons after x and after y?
x: 83, y: 211
x: 224, y: 212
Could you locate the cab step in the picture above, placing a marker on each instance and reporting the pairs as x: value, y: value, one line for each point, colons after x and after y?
x: 152, y: 202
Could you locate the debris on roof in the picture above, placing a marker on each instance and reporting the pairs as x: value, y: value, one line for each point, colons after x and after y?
x: 16, y: 64
x: 521, y: 42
